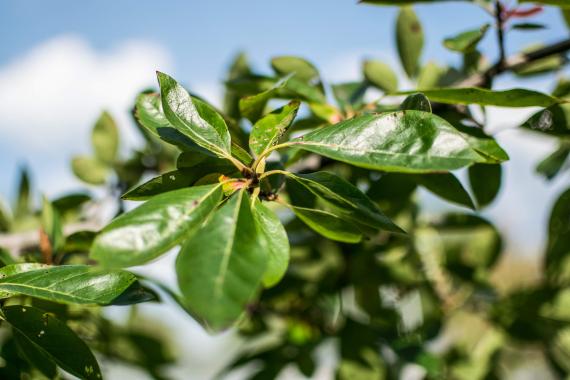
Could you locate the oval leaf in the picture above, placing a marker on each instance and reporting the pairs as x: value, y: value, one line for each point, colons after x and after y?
x: 380, y: 75
x: 105, y: 138
x: 267, y: 131
x: 409, y: 40
x: 467, y: 41
x: 485, y: 182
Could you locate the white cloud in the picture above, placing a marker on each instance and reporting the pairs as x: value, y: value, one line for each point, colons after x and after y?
x: 51, y: 96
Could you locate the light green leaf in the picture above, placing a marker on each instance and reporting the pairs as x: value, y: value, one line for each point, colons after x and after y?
x: 252, y: 107
x: 418, y: 102
x: 220, y: 267
x: 467, y: 41
x: 405, y: 141
x: 89, y: 170
x: 380, y: 75
x: 23, y: 202
x: 409, y: 40
x: 52, y: 226
x: 193, y: 117
x: 430, y: 75
x: 79, y: 284
x: 105, y: 139
x: 148, y: 111
x: 15, y: 268
x: 54, y: 339
x: 151, y: 229
x: 268, y: 130
x: 485, y: 182
x: 303, y: 69
x: 277, y: 243
x: 341, y: 194
x: 517, y: 97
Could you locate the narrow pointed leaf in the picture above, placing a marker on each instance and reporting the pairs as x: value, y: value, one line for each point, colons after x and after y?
x: 380, y: 75
x: 220, y: 267
x: 79, y: 284
x: 252, y: 107
x: 557, y: 260
x: 53, y: 338
x: 277, y: 243
x: 268, y: 130
x: 105, y: 138
x: 194, y: 118
x: 467, y: 41
x: 151, y: 229
x: 485, y: 182
x: 406, y: 141
x: 551, y: 165
x: 409, y: 40
x: 517, y: 97
x: 346, y: 197
x: 23, y: 202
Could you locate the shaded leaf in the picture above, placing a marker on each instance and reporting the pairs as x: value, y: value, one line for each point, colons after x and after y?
x: 485, y: 181
x: 23, y: 201
x: 554, y: 120
x: 252, y: 107
x: 446, y: 186
x: 418, y: 102
x: 35, y: 356
x: 557, y: 257
x: 551, y: 165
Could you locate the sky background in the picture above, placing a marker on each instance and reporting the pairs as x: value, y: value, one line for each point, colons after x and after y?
x: 62, y: 62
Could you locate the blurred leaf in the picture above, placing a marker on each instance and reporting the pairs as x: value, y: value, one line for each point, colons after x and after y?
x: 446, y: 186
x: 23, y: 202
x: 528, y: 26
x: 551, y: 165
x: 557, y: 257
x: 238, y: 68
x: 149, y: 113
x: 54, y: 339
x: 89, y: 170
x: 430, y: 76
x: 252, y: 107
x: 517, y: 97
x: 303, y: 69
x: 380, y: 75
x: 409, y: 40
x: 485, y: 181
x: 220, y: 267
x: 467, y: 41
x: 350, y: 95
x: 79, y: 284
x: 5, y: 217
x: 52, y: 225
x: 151, y: 229
x: 554, y: 120
x: 70, y: 202
x: 559, y: 3
x: 105, y: 139
x: 136, y: 293
x: 418, y: 102
x: 269, y: 129
x: 35, y: 356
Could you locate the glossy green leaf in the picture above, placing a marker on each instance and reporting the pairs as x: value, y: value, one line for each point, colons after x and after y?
x: 346, y: 197
x: 418, y: 102
x: 380, y: 75
x: 409, y: 40
x: 105, y: 139
x: 89, y: 170
x: 446, y: 186
x: 485, y: 181
x: 54, y: 339
x: 277, y: 242
x: 467, y: 41
x: 328, y: 224
x: 551, y: 165
x: 483, y: 144
x: 149, y: 113
x: 151, y: 229
x: 554, y: 120
x: 252, y: 107
x: 269, y: 129
x: 303, y: 69
x: 194, y: 118
x: 79, y: 284
x: 220, y: 267
x: 517, y: 97
x: 405, y: 141
x: 15, y: 268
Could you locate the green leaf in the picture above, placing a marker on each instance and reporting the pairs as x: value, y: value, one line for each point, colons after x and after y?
x: 350, y: 95
x: 149, y: 113
x: 554, y: 120
x: 79, y: 284
x: 446, y: 186
x: 136, y: 293
x: 52, y: 226
x: 89, y: 170
x: 483, y: 144
x: 528, y: 26
x: 277, y: 241
x: 54, y: 339
x: 405, y: 141
x: 252, y: 107
x: 239, y: 68
x: 220, y: 267
x: 380, y: 75
x: 430, y: 75
x: 354, y: 204
x: 268, y: 130
x: 551, y: 165
x: 566, y: 16
x: 193, y: 117
x: 23, y: 202
x: 35, y: 356
x: 403, y: 2
x: 105, y: 139
x: 557, y: 258
x: 327, y: 224
x: 485, y: 182
x: 467, y: 41
x: 151, y: 229
x: 409, y: 40
x: 5, y: 217
x: 14, y: 268
x: 517, y: 97
x: 418, y: 102
x: 303, y: 69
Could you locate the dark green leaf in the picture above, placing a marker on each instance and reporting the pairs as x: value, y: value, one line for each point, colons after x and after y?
x: 193, y: 117
x: 268, y: 130
x: 467, y: 41
x: 136, y: 293
x: 70, y: 202
x: 557, y: 258
x: 380, y: 75
x: 277, y: 243
x: 23, y: 202
x: 554, y: 120
x: 485, y: 182
x: 517, y: 97
x: 252, y: 107
x: 220, y: 267
x: 5, y: 217
x: 239, y: 68
x: 35, y: 356
x: 551, y: 165
x: 528, y: 26
x: 446, y: 186
x: 409, y: 40
x: 418, y: 102
x: 151, y: 229
x: 54, y: 339
x: 105, y: 139
x: 350, y: 95
x: 80, y: 284
x: 89, y: 170
x: 406, y: 141
x: 52, y: 226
